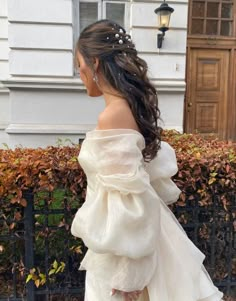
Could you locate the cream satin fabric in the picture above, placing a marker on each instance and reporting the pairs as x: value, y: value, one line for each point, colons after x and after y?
x: 134, y: 240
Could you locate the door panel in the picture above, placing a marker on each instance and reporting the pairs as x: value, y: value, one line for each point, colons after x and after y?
x: 207, y: 89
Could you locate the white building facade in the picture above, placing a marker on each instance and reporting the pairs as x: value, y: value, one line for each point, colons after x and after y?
x: 42, y: 99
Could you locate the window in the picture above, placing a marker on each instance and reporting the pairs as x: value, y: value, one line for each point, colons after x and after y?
x: 90, y: 11
x: 211, y: 17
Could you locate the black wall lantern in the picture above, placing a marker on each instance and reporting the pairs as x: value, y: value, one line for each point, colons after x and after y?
x: 163, y: 15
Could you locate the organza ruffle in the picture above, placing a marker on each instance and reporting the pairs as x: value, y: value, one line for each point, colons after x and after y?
x: 134, y: 240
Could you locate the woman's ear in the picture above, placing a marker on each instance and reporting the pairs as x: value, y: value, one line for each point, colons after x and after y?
x: 95, y: 64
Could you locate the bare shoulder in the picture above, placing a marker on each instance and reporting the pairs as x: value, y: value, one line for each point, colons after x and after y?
x: 117, y: 117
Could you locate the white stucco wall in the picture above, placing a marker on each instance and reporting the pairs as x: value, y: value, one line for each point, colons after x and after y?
x: 167, y: 66
x: 4, y: 72
x: 47, y: 101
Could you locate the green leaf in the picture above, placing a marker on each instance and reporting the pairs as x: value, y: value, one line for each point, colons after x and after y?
x: 213, y: 174
x: 58, y: 270
x: 43, y: 281
x: 42, y: 276
x: 29, y: 277
x: 52, y: 271
x: 55, y: 264
x: 61, y: 267
x: 211, y: 181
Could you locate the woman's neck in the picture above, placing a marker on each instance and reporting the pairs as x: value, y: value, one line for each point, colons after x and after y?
x: 112, y: 97
x: 109, y: 93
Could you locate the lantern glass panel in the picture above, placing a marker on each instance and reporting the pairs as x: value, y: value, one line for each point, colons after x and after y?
x: 164, y: 19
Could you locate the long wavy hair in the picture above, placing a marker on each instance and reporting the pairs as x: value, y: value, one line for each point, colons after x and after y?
x: 126, y: 72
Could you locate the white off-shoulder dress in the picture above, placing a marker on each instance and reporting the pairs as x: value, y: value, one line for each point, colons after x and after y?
x: 134, y: 241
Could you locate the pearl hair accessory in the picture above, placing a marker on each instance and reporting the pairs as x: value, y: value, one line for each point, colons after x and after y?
x: 121, y: 36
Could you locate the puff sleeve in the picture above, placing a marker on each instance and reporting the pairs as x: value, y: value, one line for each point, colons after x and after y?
x: 161, y: 169
x: 120, y: 219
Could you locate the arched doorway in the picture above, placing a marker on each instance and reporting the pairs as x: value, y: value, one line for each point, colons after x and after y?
x: 210, y: 103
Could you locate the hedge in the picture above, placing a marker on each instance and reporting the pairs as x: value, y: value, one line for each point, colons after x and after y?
x: 206, y: 177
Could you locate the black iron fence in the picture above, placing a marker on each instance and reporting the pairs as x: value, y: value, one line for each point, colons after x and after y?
x: 213, y: 231
x: 36, y: 246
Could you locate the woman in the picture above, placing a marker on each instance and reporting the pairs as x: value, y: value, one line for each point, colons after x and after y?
x: 137, y: 250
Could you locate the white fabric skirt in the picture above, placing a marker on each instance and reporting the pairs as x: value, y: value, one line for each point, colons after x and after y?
x: 179, y: 274
x: 96, y: 290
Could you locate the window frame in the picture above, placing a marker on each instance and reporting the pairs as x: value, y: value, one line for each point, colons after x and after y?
x: 219, y: 19
x: 127, y: 10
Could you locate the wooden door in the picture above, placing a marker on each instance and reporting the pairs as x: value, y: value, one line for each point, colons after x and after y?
x: 210, y: 101
x: 207, y: 93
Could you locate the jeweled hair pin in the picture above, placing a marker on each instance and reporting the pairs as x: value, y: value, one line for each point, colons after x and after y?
x: 122, y: 37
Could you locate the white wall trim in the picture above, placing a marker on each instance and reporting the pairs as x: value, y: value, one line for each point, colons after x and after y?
x: 65, y: 129
x: 39, y: 23
x: 44, y: 83
x: 155, y: 27
x: 3, y: 90
x: 48, y: 129
x: 169, y: 1
x: 54, y: 49
x: 162, y: 52
x: 3, y: 126
x: 168, y: 85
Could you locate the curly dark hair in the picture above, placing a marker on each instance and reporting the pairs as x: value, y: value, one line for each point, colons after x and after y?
x: 126, y: 72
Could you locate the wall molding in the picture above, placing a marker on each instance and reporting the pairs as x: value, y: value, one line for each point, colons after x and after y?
x: 48, y: 129
x: 160, y: 2
x: 162, y: 52
x: 3, y: 89
x: 25, y: 22
x: 66, y: 129
x: 44, y: 83
x: 169, y: 86
x: 156, y: 27
x: 3, y: 126
x: 75, y: 84
x: 36, y: 49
